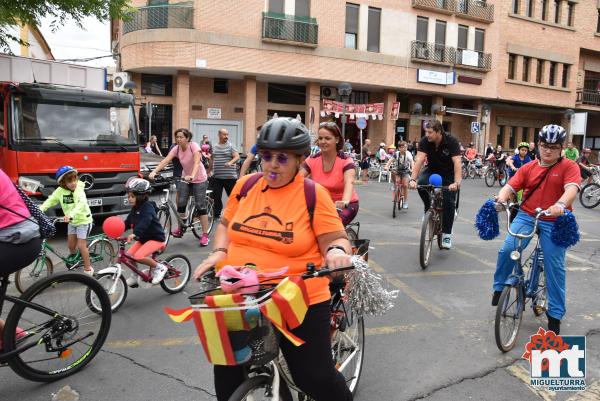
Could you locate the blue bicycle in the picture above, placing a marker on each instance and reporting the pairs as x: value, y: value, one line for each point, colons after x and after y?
x: 527, y: 281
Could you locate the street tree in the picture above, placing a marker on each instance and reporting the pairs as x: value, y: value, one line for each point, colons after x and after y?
x: 29, y: 12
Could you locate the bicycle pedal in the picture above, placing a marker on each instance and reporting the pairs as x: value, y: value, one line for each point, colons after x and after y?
x: 538, y: 310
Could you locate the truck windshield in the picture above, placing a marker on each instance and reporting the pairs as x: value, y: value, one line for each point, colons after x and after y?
x: 67, y: 125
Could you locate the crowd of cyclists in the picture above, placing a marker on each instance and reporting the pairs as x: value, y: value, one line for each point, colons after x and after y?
x: 268, y: 214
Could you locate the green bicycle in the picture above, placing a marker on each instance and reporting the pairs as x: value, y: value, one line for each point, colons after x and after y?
x: 102, y: 255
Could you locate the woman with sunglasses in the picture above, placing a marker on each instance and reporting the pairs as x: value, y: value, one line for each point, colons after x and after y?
x: 334, y: 170
x: 270, y: 225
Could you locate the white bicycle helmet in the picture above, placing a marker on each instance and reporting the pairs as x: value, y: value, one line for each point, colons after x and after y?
x: 552, y: 133
x: 138, y: 186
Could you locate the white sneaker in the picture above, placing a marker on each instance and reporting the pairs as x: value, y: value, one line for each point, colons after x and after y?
x: 89, y: 272
x: 405, y: 205
x: 446, y: 241
x: 132, y: 281
x: 158, y: 273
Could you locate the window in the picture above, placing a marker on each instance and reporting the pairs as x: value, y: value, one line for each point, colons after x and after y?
x: 286, y: 94
x: 479, y: 39
x: 359, y: 97
x: 440, y: 40
x: 422, y: 27
x: 157, y: 85
x: 539, y: 71
x: 557, y: 11
x: 220, y: 85
x: 515, y: 6
x: 351, y: 41
x: 570, y: 13
x: 511, y: 138
x: 598, y: 24
x: 544, y: 9
x: 511, y: 66
x: 530, y: 8
x: 500, y: 135
x: 276, y: 6
x: 552, y: 77
x: 565, y: 76
x: 524, y: 134
x: 526, y: 62
x: 374, y: 29
x: 302, y: 8
x: 463, y: 36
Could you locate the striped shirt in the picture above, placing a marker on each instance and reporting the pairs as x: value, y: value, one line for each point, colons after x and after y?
x: 221, y: 155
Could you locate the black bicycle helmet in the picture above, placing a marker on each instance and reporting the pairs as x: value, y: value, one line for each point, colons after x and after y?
x: 138, y: 186
x: 284, y: 133
x: 552, y: 133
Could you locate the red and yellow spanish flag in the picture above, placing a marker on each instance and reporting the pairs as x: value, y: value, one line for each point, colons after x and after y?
x: 287, y: 307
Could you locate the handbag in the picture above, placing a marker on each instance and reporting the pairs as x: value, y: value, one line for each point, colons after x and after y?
x: 47, y: 228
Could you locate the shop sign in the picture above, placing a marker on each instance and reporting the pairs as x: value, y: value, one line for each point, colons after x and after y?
x: 213, y: 113
x: 469, y: 57
x: 435, y: 77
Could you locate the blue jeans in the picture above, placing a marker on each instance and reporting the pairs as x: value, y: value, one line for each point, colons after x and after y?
x: 554, y: 262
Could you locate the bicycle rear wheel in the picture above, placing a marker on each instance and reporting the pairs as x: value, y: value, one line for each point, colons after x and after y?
x: 427, y: 232
x: 102, y: 253
x: 509, y: 314
x: 178, y: 274
x: 490, y: 177
x: 255, y: 388
x: 41, y: 268
x: 210, y: 212
x: 348, y: 345
x: 62, y: 343
x: 116, y: 297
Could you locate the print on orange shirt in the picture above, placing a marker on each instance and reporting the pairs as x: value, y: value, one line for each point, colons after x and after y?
x: 257, y: 225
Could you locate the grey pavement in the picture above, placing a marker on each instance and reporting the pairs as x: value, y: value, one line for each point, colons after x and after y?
x: 436, y: 344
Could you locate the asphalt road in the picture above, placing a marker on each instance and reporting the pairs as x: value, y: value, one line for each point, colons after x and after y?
x: 436, y: 344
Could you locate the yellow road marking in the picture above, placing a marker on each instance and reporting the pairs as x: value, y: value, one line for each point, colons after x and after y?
x: 473, y: 256
x: 591, y: 393
x: 523, y: 374
x: 409, y: 291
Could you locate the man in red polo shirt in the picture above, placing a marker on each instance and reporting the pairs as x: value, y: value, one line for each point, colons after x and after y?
x: 559, y: 182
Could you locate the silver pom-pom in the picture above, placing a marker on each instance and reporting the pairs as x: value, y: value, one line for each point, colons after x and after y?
x: 367, y: 295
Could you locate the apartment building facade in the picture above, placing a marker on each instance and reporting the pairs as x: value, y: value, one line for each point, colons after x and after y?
x: 512, y: 66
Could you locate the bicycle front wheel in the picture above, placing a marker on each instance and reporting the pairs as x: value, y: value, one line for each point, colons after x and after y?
x: 427, y: 232
x: 255, y: 388
x: 41, y: 268
x: 164, y: 216
x: 490, y: 177
x: 60, y: 343
x: 509, y: 314
x: 348, y: 347
x: 178, y: 274
x: 394, y: 202
x: 102, y: 253
x: 590, y: 196
x: 116, y: 292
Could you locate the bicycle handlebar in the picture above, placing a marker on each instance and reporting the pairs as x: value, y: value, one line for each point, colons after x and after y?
x: 507, y: 206
x: 429, y: 186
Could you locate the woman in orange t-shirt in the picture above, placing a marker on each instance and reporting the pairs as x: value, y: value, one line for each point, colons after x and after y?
x: 271, y: 227
x: 334, y: 170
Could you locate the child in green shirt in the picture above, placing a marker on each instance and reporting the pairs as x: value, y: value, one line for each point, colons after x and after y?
x: 71, y: 196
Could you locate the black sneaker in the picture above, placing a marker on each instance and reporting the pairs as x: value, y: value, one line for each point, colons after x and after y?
x: 496, y: 298
x: 553, y: 324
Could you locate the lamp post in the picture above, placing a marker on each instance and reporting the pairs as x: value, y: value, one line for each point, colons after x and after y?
x: 569, y: 113
x: 344, y: 90
x: 485, y: 117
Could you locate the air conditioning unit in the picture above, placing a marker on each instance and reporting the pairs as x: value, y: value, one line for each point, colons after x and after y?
x: 119, y: 81
x: 328, y: 92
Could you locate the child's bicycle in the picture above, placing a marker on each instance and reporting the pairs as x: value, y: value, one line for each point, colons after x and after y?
x: 114, y: 283
x: 520, y: 286
x: 397, y: 198
x: 52, y: 331
x: 268, y: 376
x: 102, y: 254
x: 168, y: 208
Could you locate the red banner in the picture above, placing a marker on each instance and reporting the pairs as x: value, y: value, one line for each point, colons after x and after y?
x: 372, y: 110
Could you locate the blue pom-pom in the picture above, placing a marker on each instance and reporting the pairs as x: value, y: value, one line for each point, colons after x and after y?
x: 486, y: 221
x: 565, y: 231
x: 435, y: 180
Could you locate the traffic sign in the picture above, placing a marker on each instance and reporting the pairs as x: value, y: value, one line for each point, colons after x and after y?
x: 475, y: 127
x: 361, y: 123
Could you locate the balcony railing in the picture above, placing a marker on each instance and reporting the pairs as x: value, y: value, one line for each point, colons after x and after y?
x: 156, y: 17
x: 441, y: 54
x: 586, y: 96
x: 290, y: 28
x: 472, y: 9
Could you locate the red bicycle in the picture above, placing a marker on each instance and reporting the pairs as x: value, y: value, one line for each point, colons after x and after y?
x: 398, y: 197
x: 114, y: 283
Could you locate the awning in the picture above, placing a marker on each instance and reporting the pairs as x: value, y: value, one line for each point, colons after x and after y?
x: 464, y: 112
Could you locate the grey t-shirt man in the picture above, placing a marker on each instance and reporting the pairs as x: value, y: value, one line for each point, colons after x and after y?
x: 223, y: 153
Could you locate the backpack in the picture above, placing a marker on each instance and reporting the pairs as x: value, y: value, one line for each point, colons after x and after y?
x: 47, y: 228
x: 310, y: 193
